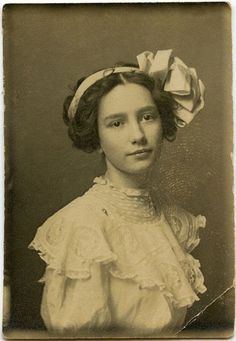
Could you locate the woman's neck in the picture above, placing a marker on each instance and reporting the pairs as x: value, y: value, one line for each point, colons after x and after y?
x: 121, y: 179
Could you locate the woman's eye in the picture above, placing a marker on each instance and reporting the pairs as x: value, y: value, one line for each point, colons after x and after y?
x: 148, y: 117
x: 116, y: 124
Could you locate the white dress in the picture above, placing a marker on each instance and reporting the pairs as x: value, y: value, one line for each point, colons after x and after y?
x: 116, y: 261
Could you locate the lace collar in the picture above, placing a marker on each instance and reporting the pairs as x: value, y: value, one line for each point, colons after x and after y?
x: 131, y: 192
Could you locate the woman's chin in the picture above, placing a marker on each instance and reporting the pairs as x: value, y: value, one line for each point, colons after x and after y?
x: 141, y: 169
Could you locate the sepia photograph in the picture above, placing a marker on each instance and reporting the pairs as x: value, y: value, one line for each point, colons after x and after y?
x: 118, y: 130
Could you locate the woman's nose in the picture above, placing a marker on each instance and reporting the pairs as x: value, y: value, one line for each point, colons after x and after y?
x: 136, y: 133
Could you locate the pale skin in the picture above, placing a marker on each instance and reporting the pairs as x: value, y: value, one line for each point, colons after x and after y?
x: 130, y: 133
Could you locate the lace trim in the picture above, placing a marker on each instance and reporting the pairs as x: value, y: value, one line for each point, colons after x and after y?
x: 131, y: 207
x: 178, y: 288
x: 132, y: 192
x: 191, y: 267
x: 149, y: 284
x: 185, y: 226
x: 173, y: 286
x: 83, y: 273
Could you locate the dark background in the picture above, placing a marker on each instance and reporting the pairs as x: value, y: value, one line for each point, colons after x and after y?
x: 46, y: 49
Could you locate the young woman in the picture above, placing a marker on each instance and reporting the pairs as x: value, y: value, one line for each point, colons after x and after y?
x: 118, y: 257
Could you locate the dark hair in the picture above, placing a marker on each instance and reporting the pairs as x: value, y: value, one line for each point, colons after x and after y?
x: 83, y: 129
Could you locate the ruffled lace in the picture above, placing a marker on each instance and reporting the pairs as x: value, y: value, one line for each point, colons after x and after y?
x: 191, y: 267
x: 125, y: 232
x: 71, y: 250
x: 185, y: 226
x: 147, y: 257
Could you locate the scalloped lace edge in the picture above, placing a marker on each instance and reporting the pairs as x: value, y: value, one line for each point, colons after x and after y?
x: 148, y: 284
x: 105, y: 259
x: 73, y: 274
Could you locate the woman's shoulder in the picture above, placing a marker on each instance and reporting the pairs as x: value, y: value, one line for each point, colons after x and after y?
x: 73, y: 237
x: 85, y: 208
x: 173, y: 210
x: 184, y: 224
x: 89, y: 209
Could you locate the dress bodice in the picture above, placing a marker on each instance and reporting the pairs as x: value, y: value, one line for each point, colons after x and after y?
x: 147, y: 278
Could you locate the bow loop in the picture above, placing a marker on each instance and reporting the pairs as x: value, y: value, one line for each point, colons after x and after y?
x: 176, y: 78
x: 156, y: 66
x: 145, y: 60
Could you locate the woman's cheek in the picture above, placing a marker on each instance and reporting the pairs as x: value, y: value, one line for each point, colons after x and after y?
x: 155, y: 132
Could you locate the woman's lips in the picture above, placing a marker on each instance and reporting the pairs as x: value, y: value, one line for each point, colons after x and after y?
x: 141, y: 153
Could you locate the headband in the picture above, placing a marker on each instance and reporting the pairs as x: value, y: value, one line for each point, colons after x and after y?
x: 169, y: 72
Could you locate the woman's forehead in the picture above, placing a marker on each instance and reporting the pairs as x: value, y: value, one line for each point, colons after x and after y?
x: 124, y: 98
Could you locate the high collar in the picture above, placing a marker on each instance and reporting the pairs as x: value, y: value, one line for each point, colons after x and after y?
x: 130, y: 192
x: 131, y: 205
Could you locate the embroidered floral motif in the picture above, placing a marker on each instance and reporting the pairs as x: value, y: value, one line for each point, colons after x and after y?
x: 54, y: 233
x: 171, y: 276
x: 86, y: 242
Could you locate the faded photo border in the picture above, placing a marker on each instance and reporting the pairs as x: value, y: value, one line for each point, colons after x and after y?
x: 39, y: 71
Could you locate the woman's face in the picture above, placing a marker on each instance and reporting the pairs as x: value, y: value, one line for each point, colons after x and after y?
x: 130, y: 129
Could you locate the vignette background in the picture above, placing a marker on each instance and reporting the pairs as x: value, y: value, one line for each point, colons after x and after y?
x: 46, y: 49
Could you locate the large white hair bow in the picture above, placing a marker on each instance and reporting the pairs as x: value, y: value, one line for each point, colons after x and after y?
x: 175, y: 77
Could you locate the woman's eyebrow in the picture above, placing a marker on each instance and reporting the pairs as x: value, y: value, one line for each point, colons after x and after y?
x: 116, y: 115
x: 123, y: 114
x: 148, y: 107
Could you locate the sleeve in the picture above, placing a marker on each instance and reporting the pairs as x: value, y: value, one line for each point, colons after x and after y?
x: 185, y: 226
x: 75, y: 291
x: 70, y: 305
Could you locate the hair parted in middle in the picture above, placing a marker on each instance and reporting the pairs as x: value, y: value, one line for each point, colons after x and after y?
x: 83, y: 128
